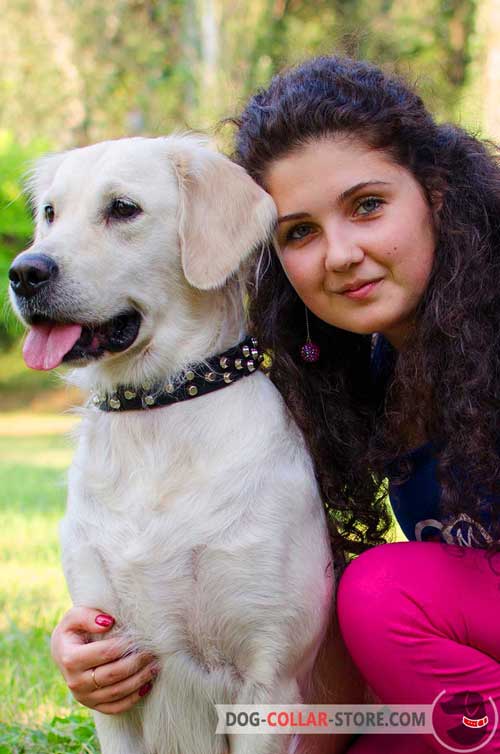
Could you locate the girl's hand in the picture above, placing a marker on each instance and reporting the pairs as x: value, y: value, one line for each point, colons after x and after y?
x: 119, y: 678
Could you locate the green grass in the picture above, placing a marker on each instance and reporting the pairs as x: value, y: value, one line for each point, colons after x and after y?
x: 37, y: 712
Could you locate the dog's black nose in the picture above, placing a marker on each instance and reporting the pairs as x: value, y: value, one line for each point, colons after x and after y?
x: 30, y: 272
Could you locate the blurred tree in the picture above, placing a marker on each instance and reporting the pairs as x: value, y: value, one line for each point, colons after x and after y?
x: 488, y: 74
x: 79, y: 72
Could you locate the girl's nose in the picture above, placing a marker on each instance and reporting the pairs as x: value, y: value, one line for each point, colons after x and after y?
x: 341, y: 253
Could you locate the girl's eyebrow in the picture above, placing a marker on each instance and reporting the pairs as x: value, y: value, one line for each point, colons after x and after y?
x: 363, y: 184
x: 341, y: 198
x: 295, y: 216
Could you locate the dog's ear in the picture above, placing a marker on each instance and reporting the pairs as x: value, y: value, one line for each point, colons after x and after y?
x: 224, y: 215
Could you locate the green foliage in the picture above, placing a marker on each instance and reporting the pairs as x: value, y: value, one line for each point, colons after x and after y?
x: 15, y: 219
x: 163, y: 66
x: 74, y: 734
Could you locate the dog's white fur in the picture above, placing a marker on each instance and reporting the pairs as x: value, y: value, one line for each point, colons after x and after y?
x: 198, y: 526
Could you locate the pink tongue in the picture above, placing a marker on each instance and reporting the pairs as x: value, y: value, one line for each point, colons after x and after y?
x: 47, y: 344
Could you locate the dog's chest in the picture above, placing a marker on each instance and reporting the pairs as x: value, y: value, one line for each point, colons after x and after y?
x: 135, y: 486
x: 153, y: 512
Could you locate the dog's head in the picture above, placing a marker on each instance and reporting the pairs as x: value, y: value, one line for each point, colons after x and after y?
x: 129, y: 233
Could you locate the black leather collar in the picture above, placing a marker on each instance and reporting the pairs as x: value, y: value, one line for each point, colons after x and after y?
x: 198, y: 379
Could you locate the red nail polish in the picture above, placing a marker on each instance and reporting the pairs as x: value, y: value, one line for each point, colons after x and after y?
x: 145, y: 689
x: 104, y: 620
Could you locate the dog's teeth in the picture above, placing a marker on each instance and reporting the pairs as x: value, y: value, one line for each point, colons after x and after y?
x: 193, y: 390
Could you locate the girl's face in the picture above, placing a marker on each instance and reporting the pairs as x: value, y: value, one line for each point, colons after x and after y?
x: 355, y: 235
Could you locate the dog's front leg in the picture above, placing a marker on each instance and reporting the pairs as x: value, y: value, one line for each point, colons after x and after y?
x: 122, y: 733
x: 179, y: 718
x: 262, y: 744
x: 285, y: 691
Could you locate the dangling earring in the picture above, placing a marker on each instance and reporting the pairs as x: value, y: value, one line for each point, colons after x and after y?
x: 310, y: 351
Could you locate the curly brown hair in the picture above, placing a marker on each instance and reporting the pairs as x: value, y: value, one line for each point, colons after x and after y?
x: 446, y: 381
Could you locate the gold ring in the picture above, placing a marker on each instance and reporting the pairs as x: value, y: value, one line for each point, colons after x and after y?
x: 93, y: 678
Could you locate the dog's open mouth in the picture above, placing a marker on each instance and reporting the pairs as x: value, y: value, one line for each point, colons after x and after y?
x: 49, y: 343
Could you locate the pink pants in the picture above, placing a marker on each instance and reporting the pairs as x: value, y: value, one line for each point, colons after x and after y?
x: 419, y: 618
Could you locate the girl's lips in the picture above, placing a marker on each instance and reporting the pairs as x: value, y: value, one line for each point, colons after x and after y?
x: 362, y: 292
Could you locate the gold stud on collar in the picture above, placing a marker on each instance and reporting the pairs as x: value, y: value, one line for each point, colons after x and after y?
x: 114, y: 403
x: 190, y: 375
x: 149, y: 400
x: 246, y: 351
x: 224, y: 362
x: 227, y: 377
x: 210, y: 376
x: 193, y: 390
x: 238, y: 363
x: 250, y: 366
x: 129, y: 394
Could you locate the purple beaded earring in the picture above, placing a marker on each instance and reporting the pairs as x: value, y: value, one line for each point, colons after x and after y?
x: 310, y: 351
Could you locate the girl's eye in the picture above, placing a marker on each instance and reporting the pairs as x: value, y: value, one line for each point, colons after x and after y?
x: 368, y: 206
x: 298, y: 232
x: 49, y: 213
x: 123, y: 209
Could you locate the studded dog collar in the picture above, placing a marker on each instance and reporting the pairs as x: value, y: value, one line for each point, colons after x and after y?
x: 198, y: 379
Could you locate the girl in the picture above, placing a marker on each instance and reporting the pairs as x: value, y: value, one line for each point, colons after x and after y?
x: 381, y: 309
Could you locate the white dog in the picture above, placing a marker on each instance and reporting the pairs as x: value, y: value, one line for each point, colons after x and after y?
x: 198, y: 524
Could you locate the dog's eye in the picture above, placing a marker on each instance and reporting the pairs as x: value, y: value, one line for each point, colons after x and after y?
x: 49, y: 213
x: 123, y: 209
